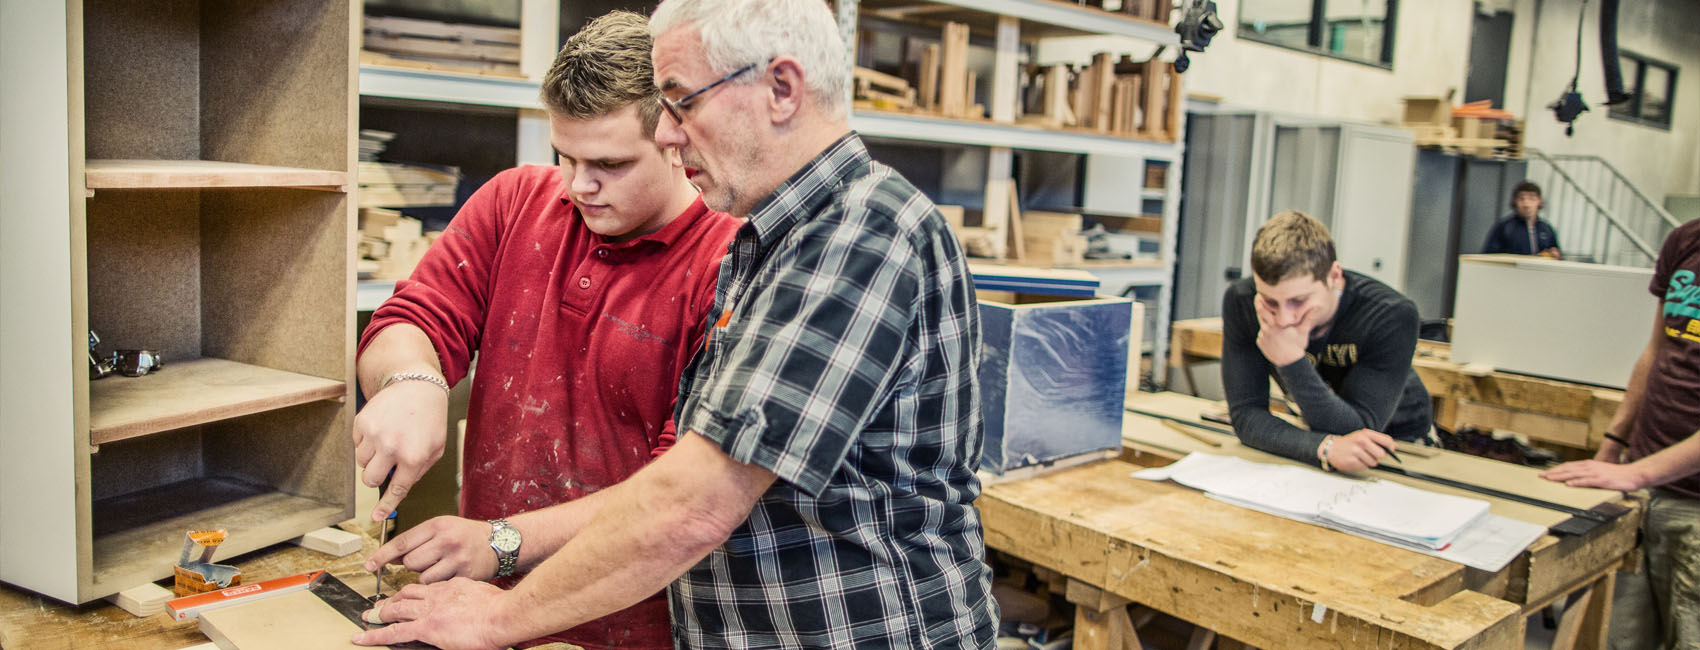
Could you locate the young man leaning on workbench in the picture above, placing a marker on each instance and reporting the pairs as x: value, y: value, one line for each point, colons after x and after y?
x: 1338, y: 342
x: 583, y: 288
x: 1654, y: 444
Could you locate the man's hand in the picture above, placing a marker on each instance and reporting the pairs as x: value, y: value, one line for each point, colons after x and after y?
x: 1551, y: 253
x: 454, y: 615
x: 440, y: 549
x: 1596, y: 474
x: 1357, y: 451
x: 1281, y: 345
x: 401, y: 427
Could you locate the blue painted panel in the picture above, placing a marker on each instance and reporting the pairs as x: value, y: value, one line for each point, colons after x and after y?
x: 1053, y: 379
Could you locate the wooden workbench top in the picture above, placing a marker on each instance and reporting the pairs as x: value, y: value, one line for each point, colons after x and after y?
x: 32, y: 622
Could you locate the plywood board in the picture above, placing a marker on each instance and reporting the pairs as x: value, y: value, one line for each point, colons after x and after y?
x: 194, y: 392
x: 168, y: 174
x: 929, y: 82
x: 286, y: 622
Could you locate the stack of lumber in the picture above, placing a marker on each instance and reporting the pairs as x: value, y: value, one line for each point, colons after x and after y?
x: 1052, y: 238
x: 372, y: 143
x: 1126, y: 98
x: 396, y: 185
x: 881, y: 91
x: 1474, y: 129
x: 391, y: 244
x: 438, y: 45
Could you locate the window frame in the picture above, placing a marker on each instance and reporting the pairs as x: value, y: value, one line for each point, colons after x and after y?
x: 1635, y: 80
x: 1314, y: 35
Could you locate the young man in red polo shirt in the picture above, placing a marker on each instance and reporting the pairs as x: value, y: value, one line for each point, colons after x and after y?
x: 583, y: 290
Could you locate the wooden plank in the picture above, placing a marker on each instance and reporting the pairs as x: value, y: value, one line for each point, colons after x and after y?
x: 1537, y: 426
x: 1103, y: 86
x: 953, y: 69
x: 437, y: 29
x: 108, y: 174
x: 1152, y: 94
x: 194, y: 392
x: 1172, y: 121
x: 444, y: 49
x: 1594, y: 631
x: 293, y: 620
x: 929, y: 85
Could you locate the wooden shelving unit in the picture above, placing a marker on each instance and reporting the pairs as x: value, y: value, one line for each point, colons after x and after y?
x: 186, y: 174
x: 202, y: 210
x: 1115, y: 166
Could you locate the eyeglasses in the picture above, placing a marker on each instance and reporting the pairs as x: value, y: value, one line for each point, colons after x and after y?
x: 677, y: 108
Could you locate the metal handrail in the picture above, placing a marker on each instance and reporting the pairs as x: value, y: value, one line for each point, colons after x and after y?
x: 1610, y: 218
x: 1657, y: 209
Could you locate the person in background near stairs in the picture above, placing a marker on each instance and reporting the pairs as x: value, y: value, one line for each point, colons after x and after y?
x: 584, y: 289
x: 1338, y: 342
x: 1653, y: 443
x: 1523, y: 232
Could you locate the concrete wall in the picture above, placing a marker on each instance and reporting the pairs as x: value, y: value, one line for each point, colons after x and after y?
x: 1543, y: 58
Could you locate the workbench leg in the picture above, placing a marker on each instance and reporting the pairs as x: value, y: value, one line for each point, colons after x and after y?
x: 1201, y: 639
x: 1101, y: 620
x: 1596, y: 619
x: 1570, y: 624
x: 1105, y: 630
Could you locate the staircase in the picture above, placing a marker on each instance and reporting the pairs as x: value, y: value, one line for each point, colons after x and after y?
x: 1599, y: 215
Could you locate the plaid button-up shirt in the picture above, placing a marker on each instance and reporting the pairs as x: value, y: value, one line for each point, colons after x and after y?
x: 843, y: 360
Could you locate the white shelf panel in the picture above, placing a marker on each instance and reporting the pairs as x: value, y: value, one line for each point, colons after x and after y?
x: 451, y: 87
x: 990, y: 134
x: 371, y: 294
x: 1069, y: 16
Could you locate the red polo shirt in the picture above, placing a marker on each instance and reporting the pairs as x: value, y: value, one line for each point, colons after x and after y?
x: 580, y: 344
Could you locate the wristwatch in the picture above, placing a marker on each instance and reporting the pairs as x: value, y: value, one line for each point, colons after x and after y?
x: 504, y: 539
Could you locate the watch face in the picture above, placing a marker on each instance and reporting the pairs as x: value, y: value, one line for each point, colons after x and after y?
x: 505, y: 539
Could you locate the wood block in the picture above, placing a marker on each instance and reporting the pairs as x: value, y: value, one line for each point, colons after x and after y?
x: 144, y: 599
x: 285, y: 622
x: 929, y: 77
x: 1103, y: 84
x: 1172, y: 123
x: 1017, y: 240
x: 971, y: 109
x: 330, y: 541
x: 1153, y: 94
x: 1056, y: 96
x: 953, y: 69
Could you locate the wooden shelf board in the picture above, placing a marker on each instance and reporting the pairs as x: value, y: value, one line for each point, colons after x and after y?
x: 137, y: 536
x: 181, y: 174
x: 196, y: 392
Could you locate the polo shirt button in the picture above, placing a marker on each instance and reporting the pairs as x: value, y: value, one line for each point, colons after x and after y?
x: 584, y: 283
x: 602, y: 253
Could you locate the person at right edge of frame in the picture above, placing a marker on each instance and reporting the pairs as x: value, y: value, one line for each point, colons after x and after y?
x: 1653, y: 444
x: 1524, y: 232
x: 1338, y: 342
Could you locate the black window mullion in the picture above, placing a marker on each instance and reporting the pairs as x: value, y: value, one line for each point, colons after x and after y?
x: 1389, y: 29
x: 1318, y: 22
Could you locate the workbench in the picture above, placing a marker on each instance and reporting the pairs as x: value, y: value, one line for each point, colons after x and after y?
x: 1553, y: 411
x: 32, y: 622
x: 1272, y: 582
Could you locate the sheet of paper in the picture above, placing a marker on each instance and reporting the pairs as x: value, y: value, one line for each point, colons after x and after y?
x: 1453, y: 528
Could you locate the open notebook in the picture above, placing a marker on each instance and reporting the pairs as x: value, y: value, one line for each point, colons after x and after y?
x: 1390, y: 512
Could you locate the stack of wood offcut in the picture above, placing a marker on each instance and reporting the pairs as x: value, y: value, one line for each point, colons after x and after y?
x: 436, y: 45
x: 1474, y: 129
x: 391, y: 244
x: 941, y: 84
x: 1123, y: 97
x: 397, y: 185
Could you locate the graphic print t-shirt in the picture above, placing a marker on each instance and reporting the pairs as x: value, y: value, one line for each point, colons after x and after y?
x: 1670, y: 408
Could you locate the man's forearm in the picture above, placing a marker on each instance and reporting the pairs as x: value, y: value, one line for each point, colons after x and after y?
x: 648, y: 530
x: 546, y: 531
x: 1671, y: 463
x: 401, y: 347
x: 1633, y: 393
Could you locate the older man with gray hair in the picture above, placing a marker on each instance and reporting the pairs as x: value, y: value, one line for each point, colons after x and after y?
x: 821, y: 495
